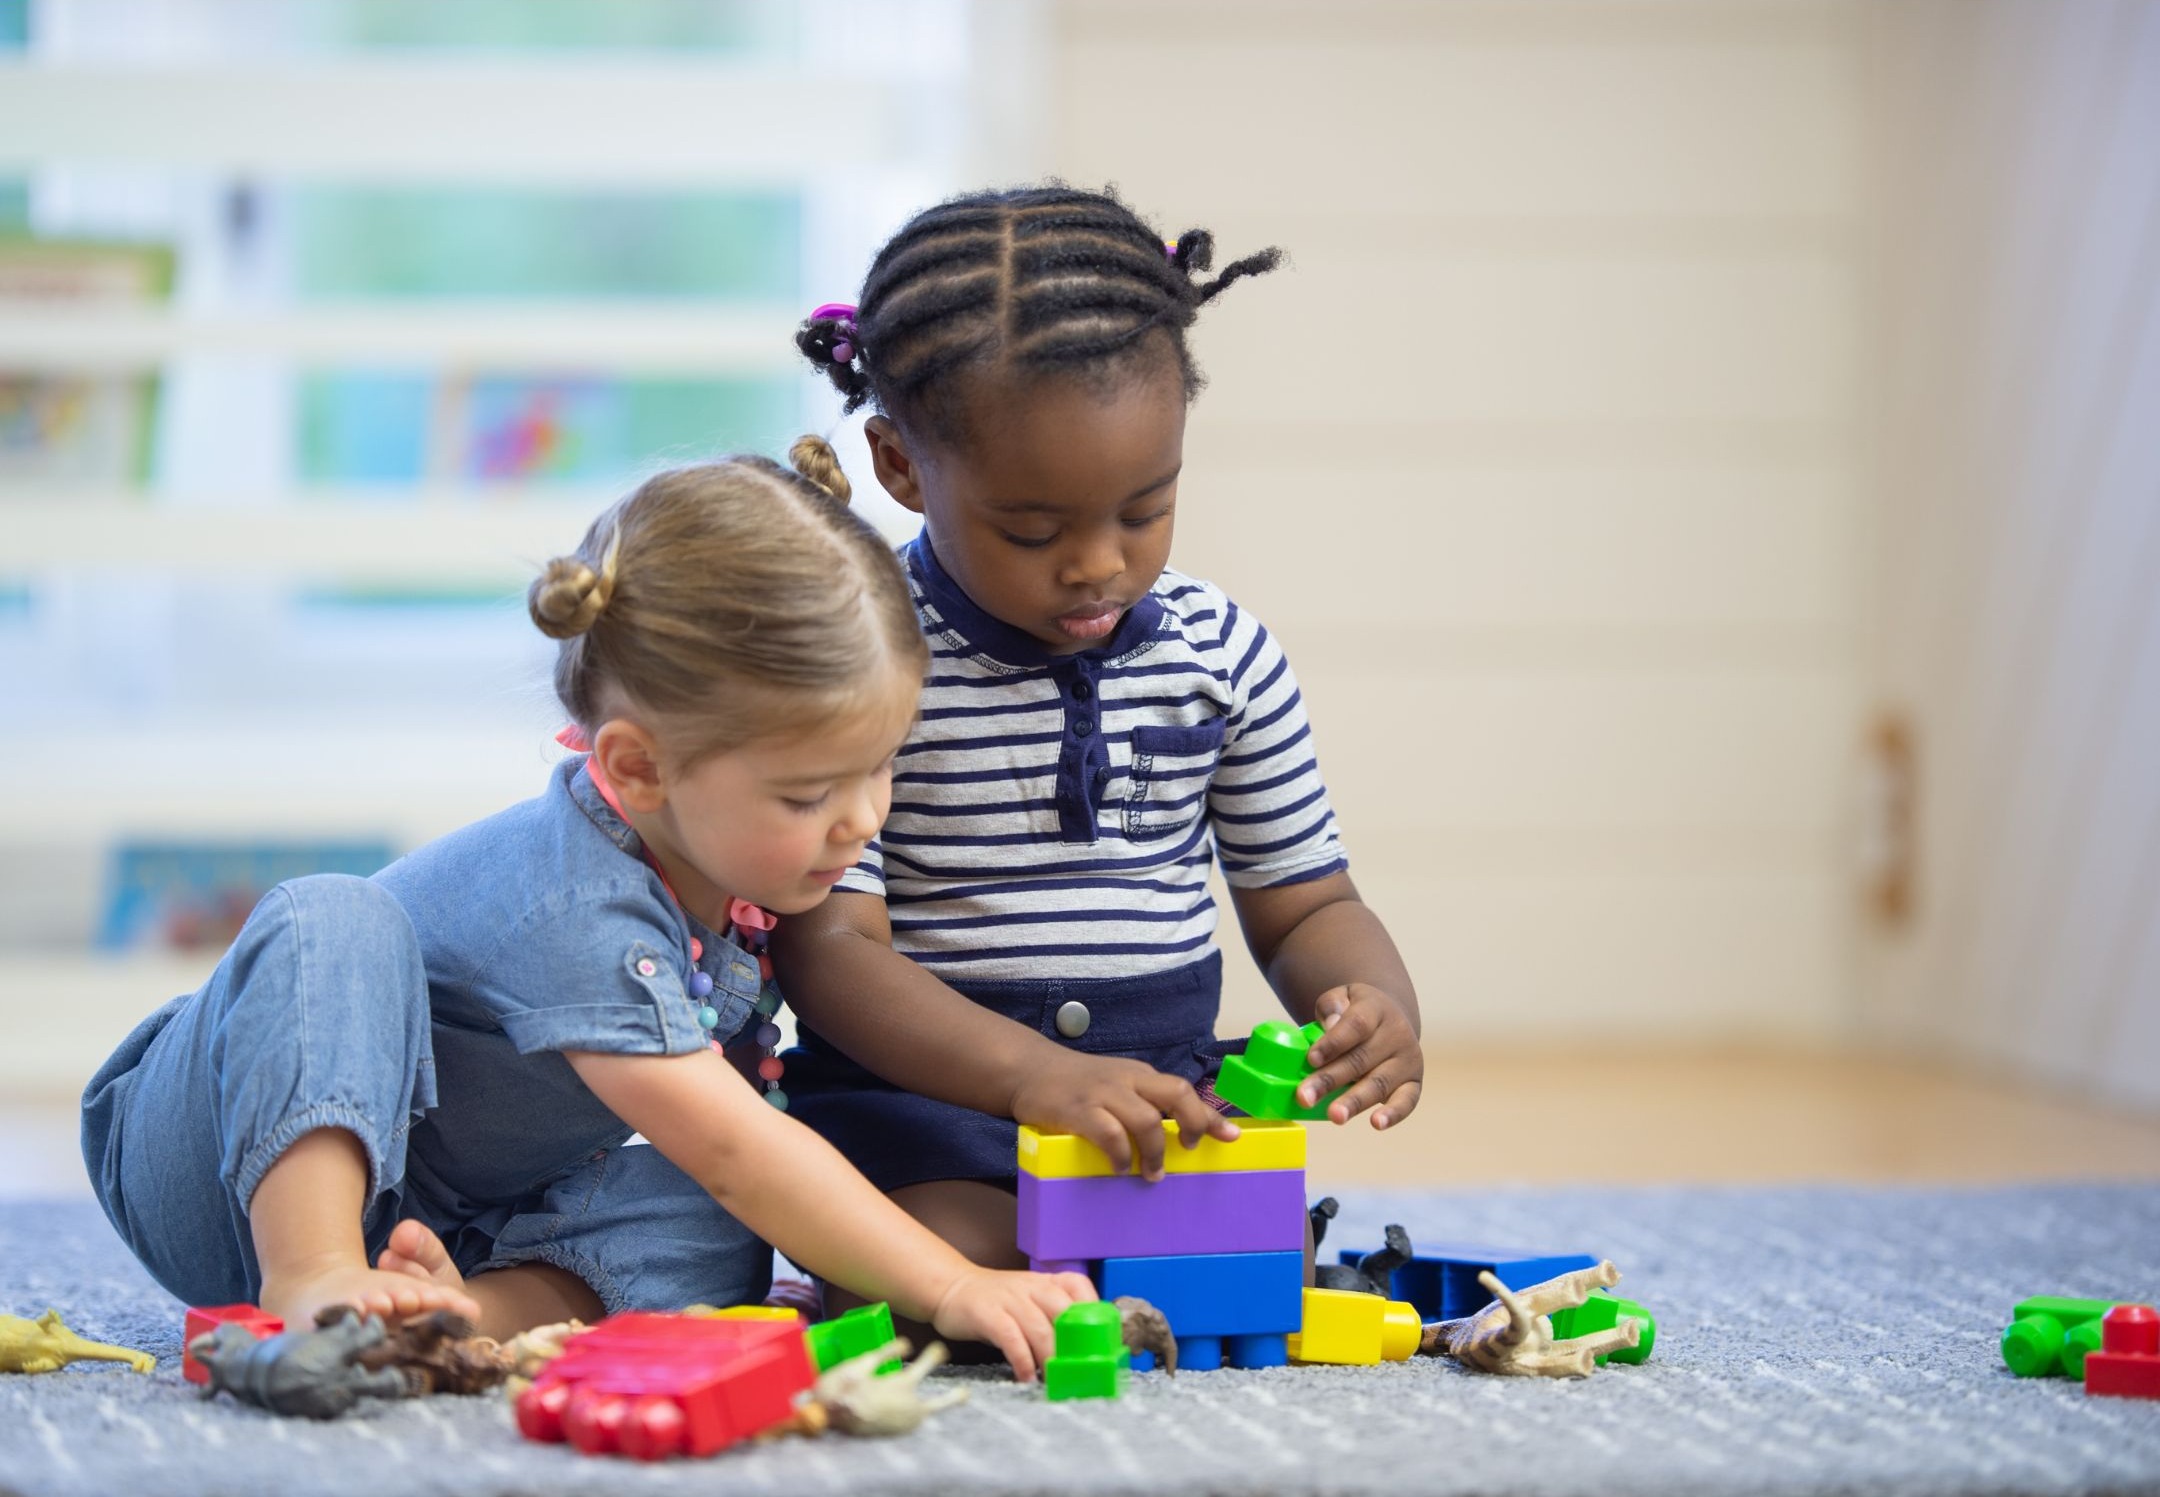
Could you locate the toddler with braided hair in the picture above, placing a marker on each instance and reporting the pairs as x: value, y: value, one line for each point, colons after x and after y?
x: 1031, y: 937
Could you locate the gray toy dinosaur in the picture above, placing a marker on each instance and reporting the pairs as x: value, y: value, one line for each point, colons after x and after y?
x: 312, y: 1374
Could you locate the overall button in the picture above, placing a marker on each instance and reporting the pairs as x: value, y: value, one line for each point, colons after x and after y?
x: 1073, y: 1019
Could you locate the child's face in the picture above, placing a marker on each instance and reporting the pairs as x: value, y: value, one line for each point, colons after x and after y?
x: 1056, y: 514
x: 778, y: 821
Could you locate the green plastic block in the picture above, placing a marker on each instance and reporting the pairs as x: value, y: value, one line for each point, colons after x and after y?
x: 862, y: 1329
x: 1264, y: 1080
x: 1091, y: 1360
x: 1601, y: 1312
x: 2050, y: 1335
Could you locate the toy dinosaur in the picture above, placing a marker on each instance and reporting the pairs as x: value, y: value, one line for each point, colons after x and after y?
x: 438, y: 1353
x: 1147, y: 1329
x: 1513, y: 1335
x: 1371, y: 1273
x: 45, y: 1345
x: 855, y: 1399
x: 312, y: 1374
x: 860, y: 1402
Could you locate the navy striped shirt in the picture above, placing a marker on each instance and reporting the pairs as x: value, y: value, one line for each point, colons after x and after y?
x: 1059, y: 812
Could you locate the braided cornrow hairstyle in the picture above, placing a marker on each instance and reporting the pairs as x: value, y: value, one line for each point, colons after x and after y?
x: 1034, y: 280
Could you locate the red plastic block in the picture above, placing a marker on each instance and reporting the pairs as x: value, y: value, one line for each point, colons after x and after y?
x: 200, y: 1322
x: 651, y: 1386
x: 1124, y: 1216
x: 2127, y: 1365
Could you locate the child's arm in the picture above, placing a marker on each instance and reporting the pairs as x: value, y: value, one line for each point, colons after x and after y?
x: 1328, y: 957
x: 794, y: 1190
x: 841, y: 975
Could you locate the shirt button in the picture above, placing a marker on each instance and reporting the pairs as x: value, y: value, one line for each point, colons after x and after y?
x: 1082, y: 691
x: 1073, y: 1019
x: 1082, y: 726
x: 646, y: 967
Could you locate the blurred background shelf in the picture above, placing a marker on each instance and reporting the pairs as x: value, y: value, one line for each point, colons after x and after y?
x: 388, y: 535
x: 529, y: 118
x: 676, y: 337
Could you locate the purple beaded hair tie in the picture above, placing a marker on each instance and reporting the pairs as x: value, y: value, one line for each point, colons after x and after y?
x: 841, y: 312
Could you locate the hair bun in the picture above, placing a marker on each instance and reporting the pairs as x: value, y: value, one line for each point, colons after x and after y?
x: 814, y: 458
x: 569, y: 597
x: 1194, y: 251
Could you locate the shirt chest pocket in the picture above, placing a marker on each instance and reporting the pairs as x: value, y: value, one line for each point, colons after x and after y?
x: 1167, y: 788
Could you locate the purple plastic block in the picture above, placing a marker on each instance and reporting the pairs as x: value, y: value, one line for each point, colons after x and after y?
x: 1124, y: 1216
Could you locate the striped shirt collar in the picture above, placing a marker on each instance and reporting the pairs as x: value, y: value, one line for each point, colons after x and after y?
x: 1001, y: 641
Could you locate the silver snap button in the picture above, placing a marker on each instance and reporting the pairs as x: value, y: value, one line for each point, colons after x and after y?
x: 1073, y: 1019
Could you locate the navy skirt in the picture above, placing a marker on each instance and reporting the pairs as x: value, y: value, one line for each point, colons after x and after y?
x: 899, y: 1138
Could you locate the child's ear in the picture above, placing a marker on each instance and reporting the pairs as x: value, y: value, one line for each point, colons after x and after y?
x: 896, y: 470
x: 631, y: 761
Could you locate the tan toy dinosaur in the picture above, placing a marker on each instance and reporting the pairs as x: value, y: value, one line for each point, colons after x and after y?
x: 1513, y: 1336
x: 45, y: 1345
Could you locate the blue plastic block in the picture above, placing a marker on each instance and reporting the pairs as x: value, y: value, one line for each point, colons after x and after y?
x: 1443, y: 1280
x: 1214, y: 1294
x: 1256, y: 1351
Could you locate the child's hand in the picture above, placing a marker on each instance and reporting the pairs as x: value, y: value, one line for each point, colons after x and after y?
x: 1369, y: 1042
x: 1118, y: 1106
x: 1014, y: 1312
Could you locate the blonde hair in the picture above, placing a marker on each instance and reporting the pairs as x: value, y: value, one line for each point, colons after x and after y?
x: 731, y: 601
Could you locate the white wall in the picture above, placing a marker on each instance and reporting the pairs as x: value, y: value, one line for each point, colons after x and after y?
x: 2018, y: 579
x: 1542, y: 461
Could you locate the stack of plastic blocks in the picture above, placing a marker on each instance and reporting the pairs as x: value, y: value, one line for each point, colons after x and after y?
x: 1217, y: 1245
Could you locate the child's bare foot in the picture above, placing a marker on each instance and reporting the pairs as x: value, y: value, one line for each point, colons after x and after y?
x: 393, y: 1293
x: 415, y: 1251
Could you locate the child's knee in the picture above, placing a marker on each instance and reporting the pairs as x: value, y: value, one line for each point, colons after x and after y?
x: 975, y: 1216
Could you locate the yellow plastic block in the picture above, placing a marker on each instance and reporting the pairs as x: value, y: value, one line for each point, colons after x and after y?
x: 1346, y: 1329
x: 1261, y: 1144
x: 745, y: 1312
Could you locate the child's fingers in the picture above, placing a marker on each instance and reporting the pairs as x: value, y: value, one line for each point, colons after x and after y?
x: 1370, y: 1091
x: 1143, y: 1125
x: 1069, y: 1289
x: 1008, y: 1338
x: 1349, y: 1066
x: 1401, y: 1103
x: 1103, y: 1128
x: 1353, y: 1027
x: 1195, y: 1120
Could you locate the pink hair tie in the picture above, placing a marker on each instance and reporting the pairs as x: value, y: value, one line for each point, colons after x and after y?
x: 843, y: 351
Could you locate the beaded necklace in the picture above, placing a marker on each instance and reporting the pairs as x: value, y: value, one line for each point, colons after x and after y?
x: 749, y: 927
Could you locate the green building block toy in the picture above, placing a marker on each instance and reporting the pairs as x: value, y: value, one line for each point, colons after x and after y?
x: 1091, y: 1359
x: 1601, y: 1312
x: 2050, y: 1335
x: 1264, y: 1080
x: 864, y: 1328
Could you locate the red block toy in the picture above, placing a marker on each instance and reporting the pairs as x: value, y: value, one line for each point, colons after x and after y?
x: 650, y: 1386
x: 2127, y: 1365
x: 202, y: 1322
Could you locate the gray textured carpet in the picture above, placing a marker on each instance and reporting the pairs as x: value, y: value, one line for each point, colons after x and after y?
x: 1809, y: 1341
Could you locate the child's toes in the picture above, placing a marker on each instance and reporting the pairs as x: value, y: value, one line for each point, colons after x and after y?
x: 416, y: 1251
